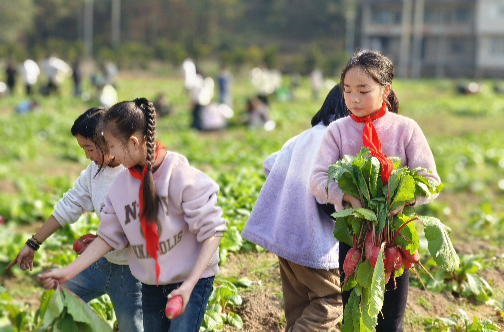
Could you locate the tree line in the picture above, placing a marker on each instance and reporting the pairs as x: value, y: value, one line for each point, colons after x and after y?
x: 292, y: 34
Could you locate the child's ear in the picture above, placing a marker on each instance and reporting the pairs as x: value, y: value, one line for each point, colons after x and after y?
x: 135, y: 141
x: 386, y: 91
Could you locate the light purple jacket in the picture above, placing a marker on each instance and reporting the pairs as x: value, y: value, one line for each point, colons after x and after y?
x: 400, y: 137
x: 187, y: 216
x: 286, y: 219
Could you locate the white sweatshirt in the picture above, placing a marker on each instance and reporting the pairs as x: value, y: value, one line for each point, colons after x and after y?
x: 88, y: 195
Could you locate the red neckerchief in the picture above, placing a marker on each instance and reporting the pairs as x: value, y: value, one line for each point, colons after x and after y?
x: 149, y: 228
x: 373, y: 143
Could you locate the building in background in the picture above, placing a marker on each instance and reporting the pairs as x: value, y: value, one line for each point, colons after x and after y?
x: 437, y: 38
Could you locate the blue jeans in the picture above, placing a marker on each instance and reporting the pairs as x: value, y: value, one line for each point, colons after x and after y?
x: 154, y: 300
x: 124, y: 290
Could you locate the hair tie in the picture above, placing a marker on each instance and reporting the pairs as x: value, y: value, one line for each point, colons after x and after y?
x: 149, y: 168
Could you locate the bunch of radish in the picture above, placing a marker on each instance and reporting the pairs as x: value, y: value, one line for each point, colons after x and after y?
x: 395, y: 257
x: 373, y: 234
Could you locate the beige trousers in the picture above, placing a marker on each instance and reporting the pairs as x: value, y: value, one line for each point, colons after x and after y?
x: 312, y: 298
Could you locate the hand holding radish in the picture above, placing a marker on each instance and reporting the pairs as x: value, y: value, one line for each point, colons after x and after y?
x: 184, y: 291
x: 174, y: 307
x: 83, y: 242
x: 51, y: 277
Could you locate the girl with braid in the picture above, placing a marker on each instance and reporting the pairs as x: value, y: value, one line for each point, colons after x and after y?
x: 165, y: 211
x: 111, y: 274
x: 375, y: 124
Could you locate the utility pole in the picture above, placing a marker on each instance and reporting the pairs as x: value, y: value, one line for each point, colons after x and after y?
x: 88, y: 28
x: 405, y: 38
x: 417, y: 39
x: 116, y: 23
x: 350, y: 13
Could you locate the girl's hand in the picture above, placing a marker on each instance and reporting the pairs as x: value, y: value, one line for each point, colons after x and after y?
x: 25, y: 258
x: 49, y: 278
x: 400, y: 209
x: 184, y: 291
x: 354, y: 201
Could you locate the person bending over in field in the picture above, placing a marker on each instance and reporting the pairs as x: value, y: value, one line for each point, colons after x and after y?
x: 288, y: 221
x: 165, y: 210
x: 111, y: 274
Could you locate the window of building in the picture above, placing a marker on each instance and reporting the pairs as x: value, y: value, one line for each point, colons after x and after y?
x: 497, y: 46
x: 436, y: 16
x: 386, y: 16
x: 461, y: 15
x: 458, y: 46
x: 496, y: 9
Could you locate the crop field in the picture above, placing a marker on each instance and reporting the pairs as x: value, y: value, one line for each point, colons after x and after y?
x: 40, y: 160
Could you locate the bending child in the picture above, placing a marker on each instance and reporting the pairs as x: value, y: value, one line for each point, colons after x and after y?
x: 165, y: 210
x: 367, y: 82
x: 287, y: 221
x: 110, y: 275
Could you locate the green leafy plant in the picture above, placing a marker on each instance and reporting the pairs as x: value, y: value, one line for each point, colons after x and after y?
x: 383, y: 247
x: 464, y: 281
x: 223, y: 303
x: 62, y: 310
x: 460, y: 323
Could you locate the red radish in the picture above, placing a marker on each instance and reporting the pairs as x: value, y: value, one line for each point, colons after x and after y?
x: 414, y: 259
x: 394, y: 259
x: 351, y: 260
x: 387, y: 277
x: 173, y: 307
x: 374, y: 257
x: 369, y: 245
x: 407, y: 264
x: 83, y: 242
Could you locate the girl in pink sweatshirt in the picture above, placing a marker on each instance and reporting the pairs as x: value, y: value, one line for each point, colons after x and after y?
x: 367, y: 80
x: 165, y: 212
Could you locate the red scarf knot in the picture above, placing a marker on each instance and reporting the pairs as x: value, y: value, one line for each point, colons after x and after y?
x: 149, y: 228
x: 373, y: 143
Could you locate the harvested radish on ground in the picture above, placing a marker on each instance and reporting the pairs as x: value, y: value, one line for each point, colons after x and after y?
x: 351, y: 261
x: 173, y: 307
x: 393, y: 259
x: 83, y: 242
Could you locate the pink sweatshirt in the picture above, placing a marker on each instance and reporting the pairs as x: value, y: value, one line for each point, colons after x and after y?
x: 187, y: 216
x: 400, y: 137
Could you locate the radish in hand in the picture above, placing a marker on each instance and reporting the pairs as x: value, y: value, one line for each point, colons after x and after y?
x: 83, y: 242
x: 173, y: 307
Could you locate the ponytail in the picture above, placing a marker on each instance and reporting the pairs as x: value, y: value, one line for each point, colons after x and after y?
x: 150, y: 197
x: 392, y: 102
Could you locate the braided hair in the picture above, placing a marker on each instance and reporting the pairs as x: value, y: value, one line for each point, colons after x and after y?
x: 379, y: 68
x: 123, y: 120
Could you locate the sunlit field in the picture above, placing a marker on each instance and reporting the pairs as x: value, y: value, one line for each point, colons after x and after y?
x: 40, y: 160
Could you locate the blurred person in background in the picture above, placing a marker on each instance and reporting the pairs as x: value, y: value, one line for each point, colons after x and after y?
x: 27, y: 106
x: 190, y: 76
x: 162, y: 107
x: 224, y: 82
x: 258, y: 115
x: 316, y: 82
x: 110, y: 70
x: 201, y: 96
x: 11, y: 76
x: 29, y: 71
x: 77, y: 77
x: 56, y: 71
